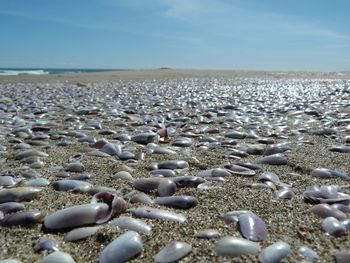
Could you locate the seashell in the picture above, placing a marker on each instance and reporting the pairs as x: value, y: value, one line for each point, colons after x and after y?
x: 274, y: 253
x: 97, y: 153
x: 237, y: 153
x: 235, y: 247
x: 252, y: 227
x: 7, y: 181
x: 45, y: 244
x: 269, y: 176
x: 144, y: 138
x: 328, y: 173
x: 22, y: 218
x: 182, y: 142
x: 274, y: 159
x: 182, y: 201
x: 340, y: 149
x: 133, y: 224
x: 235, y: 135
x: 154, y: 213
x: 83, y: 176
x: 37, y: 182
x: 173, y: 164
x: 76, y: 167
x: 80, y: 233
x: 72, y: 185
x: 341, y: 207
x: 30, y: 174
x: 251, y: 166
x: 232, y: 216
x: 207, y: 233
x: 11, y: 207
x: 141, y: 198
x: 325, y: 210
x: 164, y: 172
x: 123, y: 175
x: 308, y: 253
x: 216, y: 172
x: 239, y: 170
x: 166, y: 187
x: 173, y: 252
x: 161, y: 150
x: 76, y: 216
x: 342, y: 257
x: 122, y: 249
x: 275, y: 149
x: 346, y: 223
x: 188, y: 181
x: 18, y: 194
x: 30, y: 153
x: 147, y: 184
x: 126, y: 155
x: 333, y: 227
x: 111, y: 149
x: 314, y: 195
x: 58, y: 256
x: 285, y: 194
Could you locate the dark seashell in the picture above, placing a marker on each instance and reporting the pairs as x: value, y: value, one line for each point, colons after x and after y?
x: 333, y: 227
x: 173, y: 252
x: 18, y: 194
x: 81, y: 177
x: 235, y: 247
x: 153, y: 213
x: 274, y: 159
x: 45, y: 244
x: 173, y: 164
x: 76, y: 167
x: 144, y: 138
x: 235, y: 135
x: 166, y: 187
x: 315, y: 195
x: 111, y: 149
x: 147, y: 184
x: 122, y: 249
x: 342, y: 257
x: 164, y: 172
x: 99, y: 144
x: 239, y: 170
x: 285, y: 194
x: 11, y: 207
x: 182, y: 201
x: 80, y: 233
x: 126, y: 155
x: 188, y: 181
x: 251, y: 166
x: 274, y: 149
x: 37, y: 182
x: 328, y: 173
x: 324, y: 131
x: 325, y: 210
x: 72, y: 185
x: 30, y: 153
x: 341, y: 207
x: 23, y: 218
x: 340, y: 149
x: 182, y: 142
x: 252, y: 227
x: 237, y: 153
x: 269, y: 176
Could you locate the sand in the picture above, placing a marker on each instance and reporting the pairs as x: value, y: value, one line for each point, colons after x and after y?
x: 283, y: 217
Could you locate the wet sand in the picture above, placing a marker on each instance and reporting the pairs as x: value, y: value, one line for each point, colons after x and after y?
x: 282, y: 217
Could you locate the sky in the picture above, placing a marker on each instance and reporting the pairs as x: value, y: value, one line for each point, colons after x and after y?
x: 311, y: 35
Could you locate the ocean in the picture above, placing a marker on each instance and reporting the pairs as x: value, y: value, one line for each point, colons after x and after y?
x: 44, y: 71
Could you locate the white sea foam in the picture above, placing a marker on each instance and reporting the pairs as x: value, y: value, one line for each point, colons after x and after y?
x: 22, y: 72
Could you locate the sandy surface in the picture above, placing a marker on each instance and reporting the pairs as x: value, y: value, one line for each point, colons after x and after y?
x: 283, y: 217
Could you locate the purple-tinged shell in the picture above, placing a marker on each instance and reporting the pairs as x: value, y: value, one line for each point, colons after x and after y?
x: 325, y: 173
x: 45, y: 244
x: 172, y: 252
x: 164, y: 172
x: 252, y: 166
x: 23, y: 218
x: 18, y: 194
x: 252, y: 227
x: 275, y: 252
x: 341, y: 207
x: 76, y: 167
x: 315, y: 195
x: 58, y: 256
x: 232, y: 216
x: 239, y: 170
x: 235, y: 247
x: 11, y: 207
x: 166, y: 187
x: 75, y: 186
x: 30, y: 153
x: 309, y: 254
x: 141, y: 198
x: 342, y: 256
x: 80, y: 233
x: 269, y: 176
x: 285, y: 193
x: 154, y: 213
x: 147, y: 184
x: 216, y: 172
x: 181, y: 202
x: 274, y: 159
x: 122, y: 249
x: 77, y: 216
x: 173, y: 164
x: 133, y: 224
x: 333, y: 227
x: 188, y: 181
x: 207, y: 233
x: 325, y: 210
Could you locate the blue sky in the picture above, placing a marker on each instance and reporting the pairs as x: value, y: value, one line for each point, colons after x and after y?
x: 217, y: 34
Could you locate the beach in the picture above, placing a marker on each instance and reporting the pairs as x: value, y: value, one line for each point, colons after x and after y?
x: 291, y: 111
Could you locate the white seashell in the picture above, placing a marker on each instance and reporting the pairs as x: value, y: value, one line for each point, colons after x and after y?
x: 235, y: 247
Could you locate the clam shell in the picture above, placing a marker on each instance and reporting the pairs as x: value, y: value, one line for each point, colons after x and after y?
x: 133, y: 224
x: 173, y: 252
x: 333, y: 227
x: 325, y: 210
x: 122, y: 249
x: 235, y: 247
x: 252, y: 227
x: 274, y: 253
